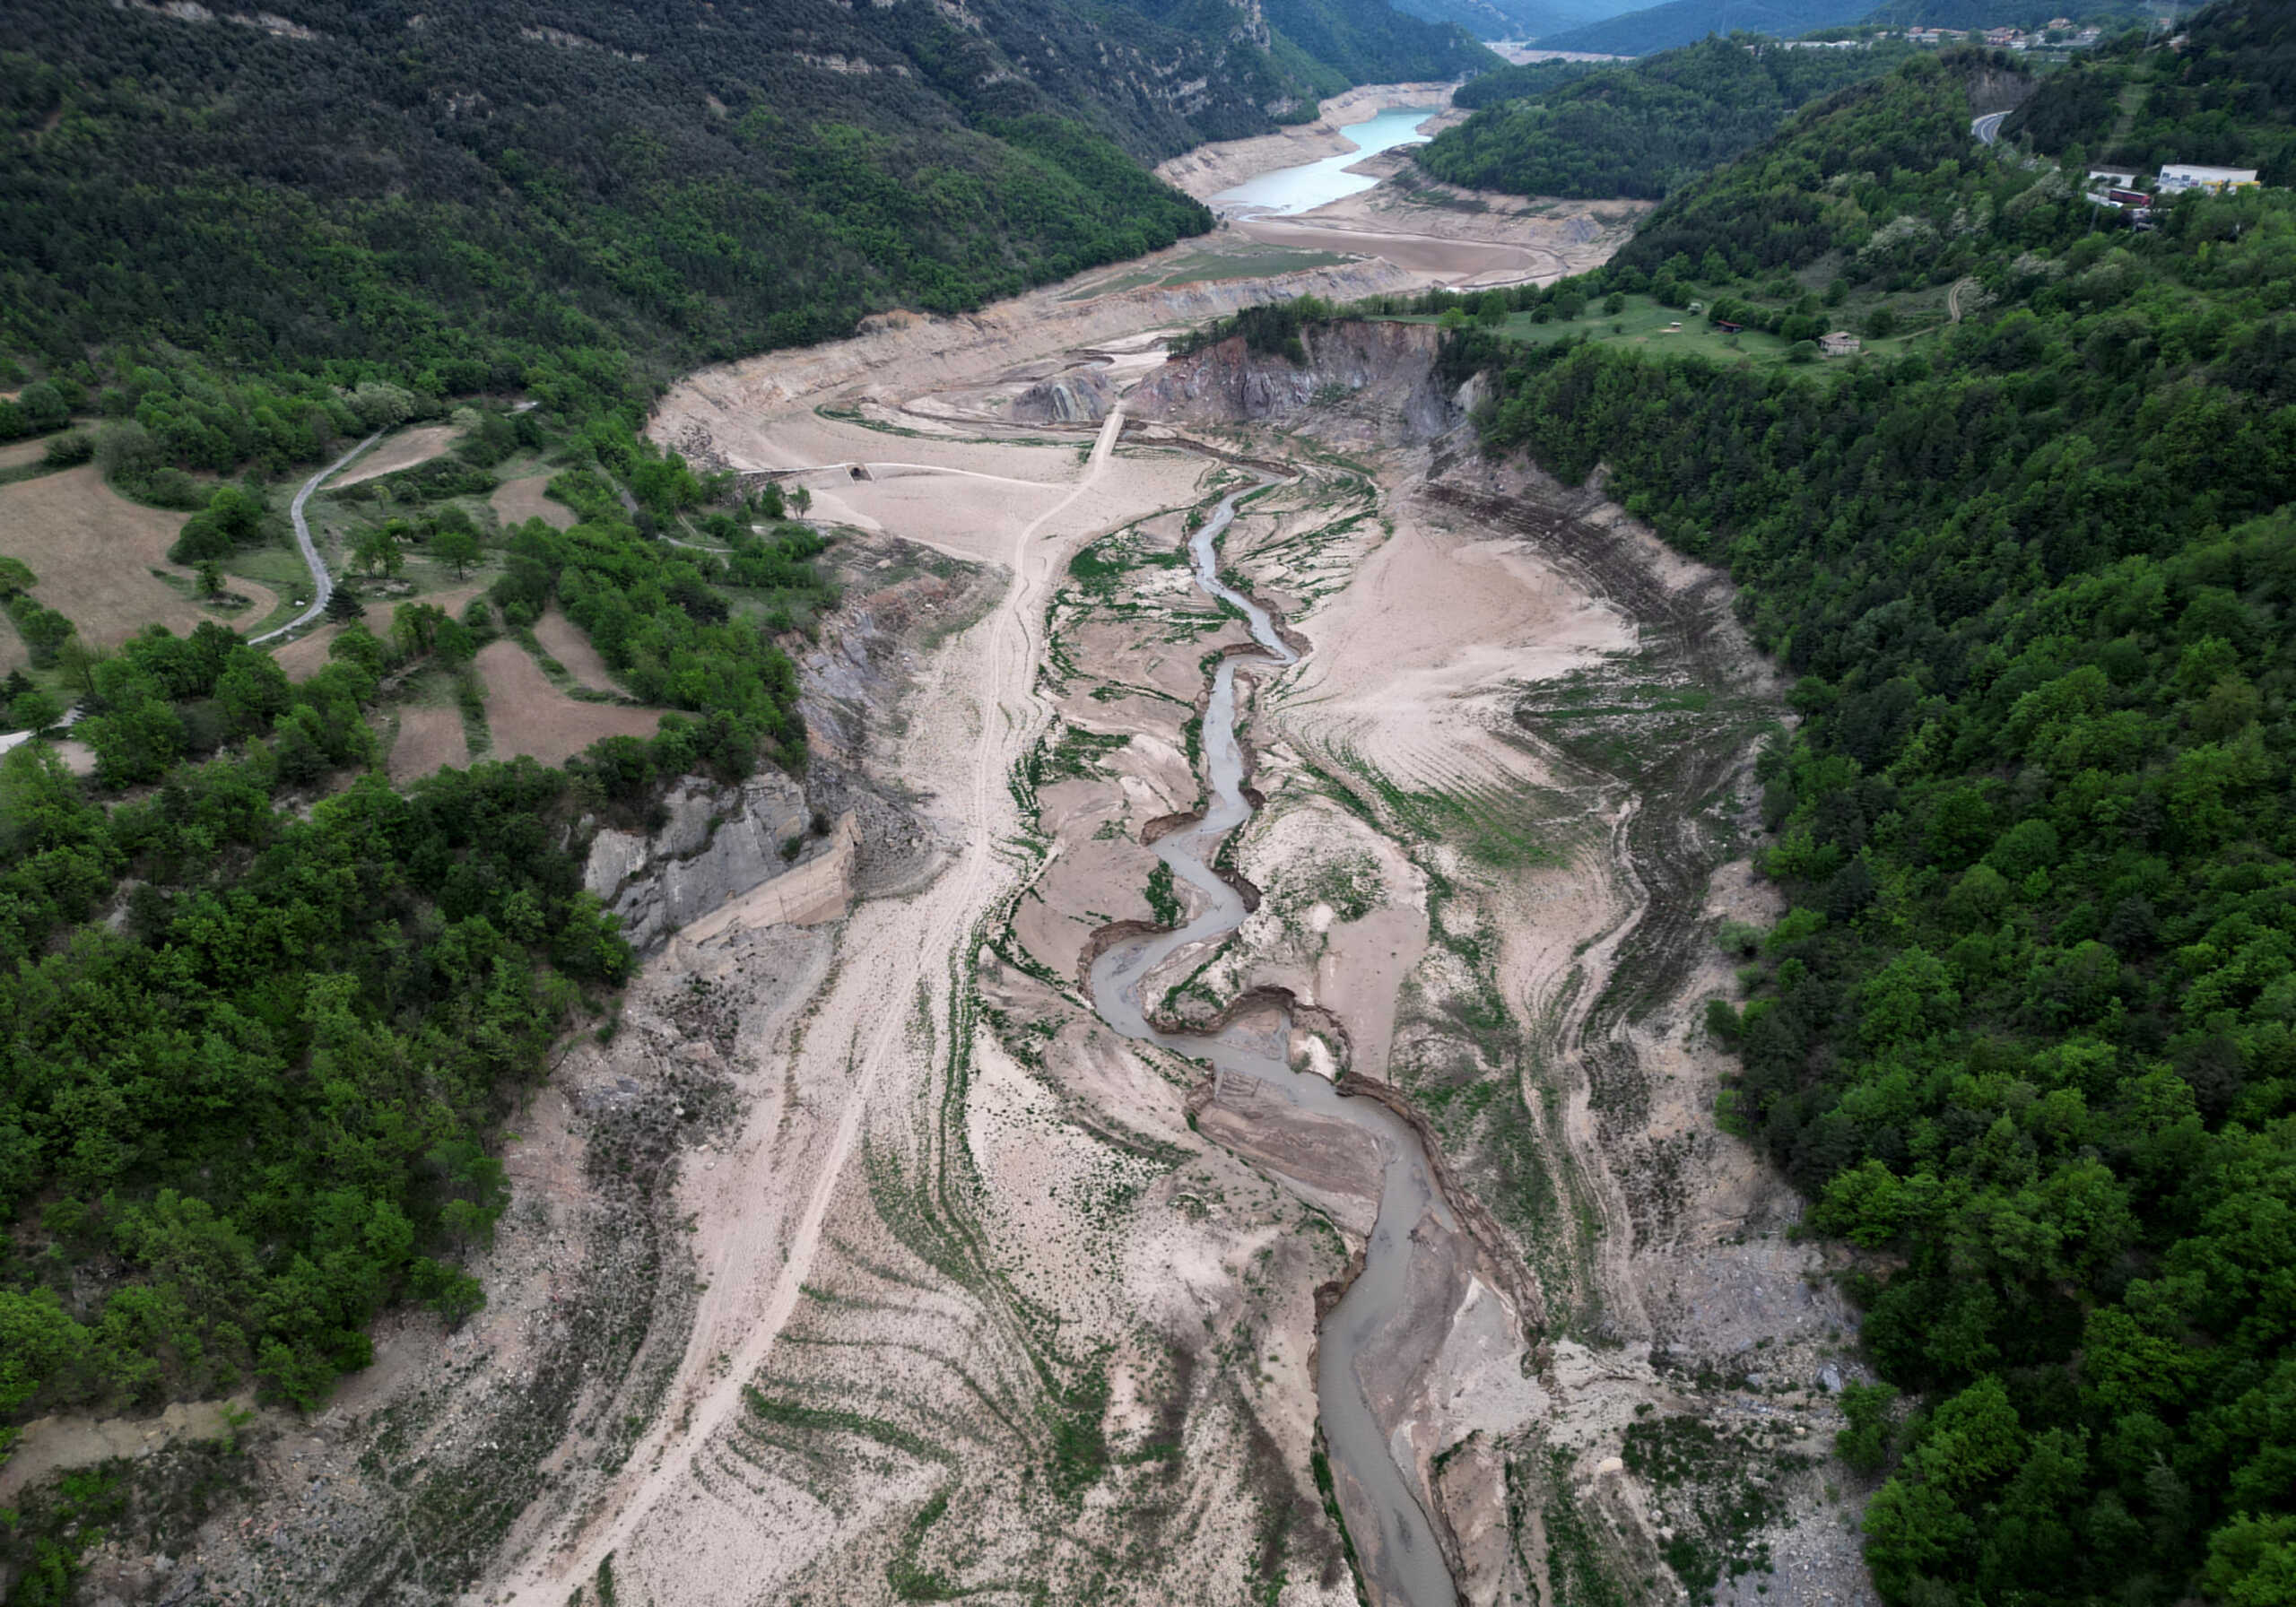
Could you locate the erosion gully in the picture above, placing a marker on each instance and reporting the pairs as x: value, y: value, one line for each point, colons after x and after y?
x: 1408, y: 1562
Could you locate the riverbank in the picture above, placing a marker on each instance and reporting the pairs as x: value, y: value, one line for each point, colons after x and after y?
x: 1208, y: 169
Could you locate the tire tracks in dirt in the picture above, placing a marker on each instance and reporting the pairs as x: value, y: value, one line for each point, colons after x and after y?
x: 667, y: 1450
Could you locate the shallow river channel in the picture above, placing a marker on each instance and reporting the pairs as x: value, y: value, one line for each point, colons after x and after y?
x: 1405, y: 1561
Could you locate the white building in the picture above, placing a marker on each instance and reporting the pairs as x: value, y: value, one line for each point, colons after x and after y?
x: 2181, y: 176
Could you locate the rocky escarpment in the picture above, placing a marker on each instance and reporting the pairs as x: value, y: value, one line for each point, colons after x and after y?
x: 1079, y: 397
x: 716, y: 843
x: 1370, y: 382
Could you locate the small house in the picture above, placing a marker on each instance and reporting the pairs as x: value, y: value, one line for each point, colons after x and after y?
x: 1841, y: 343
x: 1727, y: 327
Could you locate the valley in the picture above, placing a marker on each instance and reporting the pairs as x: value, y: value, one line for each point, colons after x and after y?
x: 1220, y: 1094
x: 1203, y: 1079
x: 1047, y: 803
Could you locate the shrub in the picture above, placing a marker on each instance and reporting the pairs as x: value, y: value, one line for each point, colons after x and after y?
x: 69, y: 450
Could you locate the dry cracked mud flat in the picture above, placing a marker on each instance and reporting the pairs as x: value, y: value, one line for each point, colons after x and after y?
x: 868, y: 1263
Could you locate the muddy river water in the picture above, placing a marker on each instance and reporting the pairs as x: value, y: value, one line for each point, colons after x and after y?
x: 1407, y: 1561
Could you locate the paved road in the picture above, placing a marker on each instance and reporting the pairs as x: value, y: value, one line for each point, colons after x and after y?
x: 321, y: 587
x: 1988, y: 128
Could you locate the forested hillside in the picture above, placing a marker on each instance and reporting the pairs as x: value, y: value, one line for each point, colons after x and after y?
x: 1685, y: 21
x: 2028, y: 1036
x: 484, y: 193
x: 1560, y: 128
x: 1368, y: 42
x: 1514, y: 19
x: 2226, y: 98
x: 458, y: 194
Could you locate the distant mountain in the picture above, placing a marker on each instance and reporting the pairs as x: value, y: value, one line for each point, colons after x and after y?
x: 1320, y: 46
x: 1640, y: 128
x: 1514, y: 19
x: 1682, y: 21
x: 1477, y: 17
x: 1685, y: 21
x: 1368, y: 42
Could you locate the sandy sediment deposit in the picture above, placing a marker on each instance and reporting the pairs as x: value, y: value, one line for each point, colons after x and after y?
x: 1458, y: 237
x: 862, y: 1260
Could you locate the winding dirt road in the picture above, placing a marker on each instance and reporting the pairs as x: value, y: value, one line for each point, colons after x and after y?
x: 939, y: 920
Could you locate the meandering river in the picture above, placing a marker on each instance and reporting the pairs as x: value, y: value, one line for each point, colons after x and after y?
x: 1406, y: 1559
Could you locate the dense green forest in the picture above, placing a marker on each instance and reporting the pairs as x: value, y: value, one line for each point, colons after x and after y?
x: 2226, y: 97
x: 237, y: 1123
x: 1368, y: 42
x: 1519, y: 81
x: 1514, y: 19
x: 2007, y: 13
x: 456, y: 206
x: 482, y: 197
x: 1555, y: 128
x: 2028, y: 1035
x: 1680, y: 22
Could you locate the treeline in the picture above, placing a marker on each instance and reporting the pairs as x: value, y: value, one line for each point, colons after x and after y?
x: 1556, y: 129
x: 1879, y: 173
x: 2226, y: 98
x: 2029, y: 1030
x: 1272, y: 326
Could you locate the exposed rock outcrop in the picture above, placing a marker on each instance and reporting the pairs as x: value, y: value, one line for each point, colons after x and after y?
x: 1373, y: 382
x: 718, y: 842
x: 1079, y: 397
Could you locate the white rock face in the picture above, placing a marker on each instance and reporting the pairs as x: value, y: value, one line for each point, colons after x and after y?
x: 719, y: 843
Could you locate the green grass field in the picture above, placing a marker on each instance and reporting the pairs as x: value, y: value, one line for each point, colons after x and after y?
x: 1205, y: 267
x: 1643, y: 322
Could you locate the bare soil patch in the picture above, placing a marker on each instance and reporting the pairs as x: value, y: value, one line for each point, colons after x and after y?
x: 527, y: 714
x: 94, y: 551
x: 16, y: 454
x: 401, y: 451
x: 563, y: 640
x: 430, y: 739
x: 515, y: 501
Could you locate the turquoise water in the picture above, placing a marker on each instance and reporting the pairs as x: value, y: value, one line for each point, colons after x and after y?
x: 1288, y: 190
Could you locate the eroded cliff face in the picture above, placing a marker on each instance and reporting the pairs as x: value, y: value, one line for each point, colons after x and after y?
x: 1373, y: 383
x: 1078, y: 396
x: 718, y: 842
